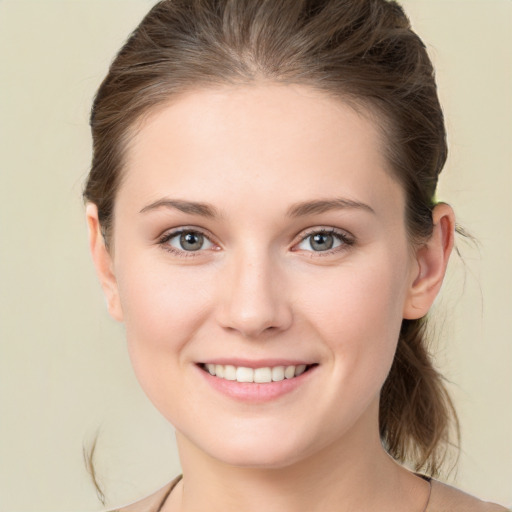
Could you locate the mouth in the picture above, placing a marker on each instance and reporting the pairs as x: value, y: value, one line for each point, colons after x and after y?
x: 261, y: 375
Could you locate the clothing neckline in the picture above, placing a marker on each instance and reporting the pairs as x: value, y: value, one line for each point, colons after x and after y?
x: 171, y: 487
x: 175, y: 482
x: 429, y: 480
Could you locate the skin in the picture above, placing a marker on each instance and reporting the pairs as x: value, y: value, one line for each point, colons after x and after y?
x: 257, y: 289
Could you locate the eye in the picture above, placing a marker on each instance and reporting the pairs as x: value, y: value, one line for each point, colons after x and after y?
x: 186, y: 241
x: 324, y: 240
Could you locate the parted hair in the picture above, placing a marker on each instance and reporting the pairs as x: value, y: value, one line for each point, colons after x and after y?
x: 361, y: 51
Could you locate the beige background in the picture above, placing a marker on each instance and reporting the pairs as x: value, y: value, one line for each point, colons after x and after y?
x: 63, y: 368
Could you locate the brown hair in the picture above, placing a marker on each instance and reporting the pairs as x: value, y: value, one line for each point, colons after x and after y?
x: 362, y: 51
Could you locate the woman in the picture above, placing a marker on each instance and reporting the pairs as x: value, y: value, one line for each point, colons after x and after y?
x: 262, y: 219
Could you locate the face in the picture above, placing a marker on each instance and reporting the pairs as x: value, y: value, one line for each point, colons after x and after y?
x: 259, y: 235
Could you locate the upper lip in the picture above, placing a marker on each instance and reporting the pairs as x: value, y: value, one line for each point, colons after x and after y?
x: 257, y: 363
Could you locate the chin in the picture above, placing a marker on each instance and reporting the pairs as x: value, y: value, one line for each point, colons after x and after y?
x: 264, y: 448
x: 258, y: 458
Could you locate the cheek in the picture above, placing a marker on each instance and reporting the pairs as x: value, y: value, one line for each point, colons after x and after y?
x: 160, y: 301
x: 163, y: 307
x: 357, y: 309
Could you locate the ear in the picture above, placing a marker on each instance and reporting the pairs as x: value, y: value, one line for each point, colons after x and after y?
x: 431, y: 262
x: 103, y: 262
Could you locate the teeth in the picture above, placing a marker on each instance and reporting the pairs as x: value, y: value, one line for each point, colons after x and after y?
x: 262, y: 375
x: 229, y: 372
x: 244, y: 374
x: 277, y: 373
x: 219, y: 370
x: 258, y: 375
x: 299, y: 370
x: 289, y: 372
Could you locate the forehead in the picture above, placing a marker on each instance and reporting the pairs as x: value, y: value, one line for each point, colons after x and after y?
x: 243, y: 140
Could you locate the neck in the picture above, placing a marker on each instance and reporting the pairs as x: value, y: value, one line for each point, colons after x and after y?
x: 355, y: 473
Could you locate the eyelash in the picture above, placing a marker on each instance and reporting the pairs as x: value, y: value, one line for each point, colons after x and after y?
x: 345, y: 239
x: 163, y: 242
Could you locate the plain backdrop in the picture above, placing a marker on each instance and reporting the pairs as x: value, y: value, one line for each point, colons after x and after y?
x: 64, y: 372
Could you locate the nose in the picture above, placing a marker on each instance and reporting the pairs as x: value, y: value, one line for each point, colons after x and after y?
x: 254, y: 300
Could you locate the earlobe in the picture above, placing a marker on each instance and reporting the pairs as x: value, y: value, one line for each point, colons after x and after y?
x: 432, y: 260
x: 103, y: 263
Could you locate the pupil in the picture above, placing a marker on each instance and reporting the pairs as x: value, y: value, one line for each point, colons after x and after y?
x: 322, y: 242
x: 191, y: 241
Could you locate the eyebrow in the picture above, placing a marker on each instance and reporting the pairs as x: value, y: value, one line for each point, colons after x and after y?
x: 297, y: 210
x: 324, y: 205
x: 192, y: 207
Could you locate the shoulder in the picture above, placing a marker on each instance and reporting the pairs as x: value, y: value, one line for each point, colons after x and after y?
x: 445, y: 498
x: 153, y: 502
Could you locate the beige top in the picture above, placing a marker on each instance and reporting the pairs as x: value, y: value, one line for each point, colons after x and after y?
x: 443, y: 498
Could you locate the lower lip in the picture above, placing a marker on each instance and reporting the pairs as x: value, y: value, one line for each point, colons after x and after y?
x: 254, y: 392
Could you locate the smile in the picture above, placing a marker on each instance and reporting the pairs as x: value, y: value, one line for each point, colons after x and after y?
x: 262, y: 375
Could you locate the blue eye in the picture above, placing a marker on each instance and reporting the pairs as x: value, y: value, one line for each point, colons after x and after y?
x: 188, y: 241
x: 322, y: 241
